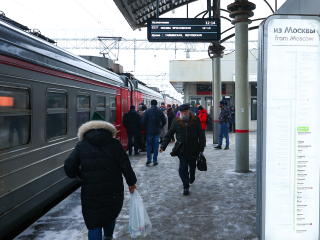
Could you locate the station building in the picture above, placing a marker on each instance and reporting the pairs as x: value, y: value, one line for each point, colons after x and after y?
x: 193, y: 78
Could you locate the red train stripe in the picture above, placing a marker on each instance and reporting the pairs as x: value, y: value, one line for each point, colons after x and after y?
x: 29, y: 66
x: 241, y: 131
x: 216, y: 120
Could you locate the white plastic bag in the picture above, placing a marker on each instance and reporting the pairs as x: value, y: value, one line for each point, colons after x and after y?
x: 139, y: 221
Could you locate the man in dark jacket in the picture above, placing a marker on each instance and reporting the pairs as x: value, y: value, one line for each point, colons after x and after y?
x: 153, y: 121
x: 162, y: 107
x: 176, y: 109
x: 190, y: 142
x: 99, y: 161
x: 232, y: 122
x: 171, y: 116
x: 132, y: 122
x: 224, y: 119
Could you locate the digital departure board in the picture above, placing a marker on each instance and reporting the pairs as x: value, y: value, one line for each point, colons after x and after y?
x: 183, y: 29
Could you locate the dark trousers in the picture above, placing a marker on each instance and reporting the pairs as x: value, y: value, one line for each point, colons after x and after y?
x: 205, y: 139
x: 232, y: 127
x: 96, y: 234
x: 135, y: 138
x: 184, y: 166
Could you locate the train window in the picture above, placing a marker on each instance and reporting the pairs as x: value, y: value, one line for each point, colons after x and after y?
x: 56, y: 117
x: 83, y: 109
x: 83, y: 101
x: 56, y: 100
x: 15, y: 117
x: 101, y: 105
x: 113, y: 112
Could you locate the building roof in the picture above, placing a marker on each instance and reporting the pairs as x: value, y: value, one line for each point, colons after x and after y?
x: 136, y: 12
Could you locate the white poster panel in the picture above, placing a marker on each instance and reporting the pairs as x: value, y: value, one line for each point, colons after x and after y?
x: 293, y: 130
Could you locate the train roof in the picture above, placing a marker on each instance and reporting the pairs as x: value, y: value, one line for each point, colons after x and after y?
x: 19, y: 44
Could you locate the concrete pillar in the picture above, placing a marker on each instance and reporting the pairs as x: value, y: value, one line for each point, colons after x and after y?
x: 186, y: 92
x: 216, y: 97
x: 241, y: 21
x: 241, y: 95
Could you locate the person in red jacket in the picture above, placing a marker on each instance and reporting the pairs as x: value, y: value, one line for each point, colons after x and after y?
x: 203, y: 119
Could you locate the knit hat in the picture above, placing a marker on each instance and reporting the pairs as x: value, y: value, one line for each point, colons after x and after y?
x: 97, y: 117
x: 200, y: 108
x: 184, y: 107
x: 154, y: 102
x: 221, y: 103
x: 132, y: 107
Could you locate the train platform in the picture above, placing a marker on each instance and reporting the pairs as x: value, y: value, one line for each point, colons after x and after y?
x: 221, y: 204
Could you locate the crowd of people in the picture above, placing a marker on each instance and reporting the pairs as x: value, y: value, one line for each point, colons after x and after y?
x: 99, y: 160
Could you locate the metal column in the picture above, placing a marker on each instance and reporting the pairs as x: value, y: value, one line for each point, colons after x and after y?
x: 186, y: 92
x: 241, y: 11
x: 216, y: 97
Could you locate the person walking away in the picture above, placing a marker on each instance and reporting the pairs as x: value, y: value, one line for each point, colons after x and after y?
x: 153, y: 121
x: 189, y: 144
x: 232, y: 127
x: 176, y: 109
x: 171, y: 116
x: 132, y: 122
x: 143, y: 137
x: 99, y: 161
x: 224, y: 119
x: 164, y: 130
x: 203, y: 119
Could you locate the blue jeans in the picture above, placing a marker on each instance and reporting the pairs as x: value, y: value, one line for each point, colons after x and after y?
x: 184, y: 166
x: 224, y: 132
x: 96, y: 234
x: 153, y: 139
x: 135, y: 138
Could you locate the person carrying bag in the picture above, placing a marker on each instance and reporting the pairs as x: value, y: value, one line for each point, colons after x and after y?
x: 99, y: 161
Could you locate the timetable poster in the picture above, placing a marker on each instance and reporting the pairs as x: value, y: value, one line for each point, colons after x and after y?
x: 292, y: 130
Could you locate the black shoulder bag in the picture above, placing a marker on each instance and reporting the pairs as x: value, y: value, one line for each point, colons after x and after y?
x: 201, y: 163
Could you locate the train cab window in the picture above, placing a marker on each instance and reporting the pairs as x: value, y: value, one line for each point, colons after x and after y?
x: 101, y: 105
x: 83, y: 109
x: 56, y: 115
x: 15, y: 117
x: 113, y: 112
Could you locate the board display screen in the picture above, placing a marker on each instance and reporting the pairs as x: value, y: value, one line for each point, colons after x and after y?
x: 183, y: 29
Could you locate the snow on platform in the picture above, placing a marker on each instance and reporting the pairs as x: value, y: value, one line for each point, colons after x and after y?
x: 221, y: 204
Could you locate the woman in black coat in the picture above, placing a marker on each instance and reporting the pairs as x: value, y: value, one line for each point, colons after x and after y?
x: 99, y: 161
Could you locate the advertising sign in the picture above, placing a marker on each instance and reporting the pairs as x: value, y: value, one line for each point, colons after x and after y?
x: 183, y: 29
x: 292, y: 130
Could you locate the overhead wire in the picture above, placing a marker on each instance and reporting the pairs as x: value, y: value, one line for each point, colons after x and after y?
x: 92, y: 16
x: 38, y: 14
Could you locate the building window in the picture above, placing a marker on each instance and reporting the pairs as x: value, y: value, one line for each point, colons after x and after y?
x: 254, y: 106
x: 113, y: 112
x: 83, y: 109
x: 101, y: 105
x: 15, y: 117
x: 253, y: 90
x: 56, y: 115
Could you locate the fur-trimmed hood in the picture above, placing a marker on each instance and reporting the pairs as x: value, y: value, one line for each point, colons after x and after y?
x: 95, y: 125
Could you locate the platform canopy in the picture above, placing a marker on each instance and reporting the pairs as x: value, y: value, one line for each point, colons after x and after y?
x: 136, y: 12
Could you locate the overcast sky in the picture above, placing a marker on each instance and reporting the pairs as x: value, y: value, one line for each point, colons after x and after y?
x: 74, y: 16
